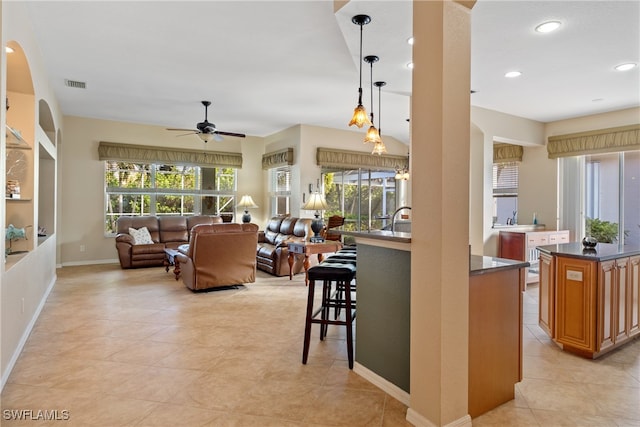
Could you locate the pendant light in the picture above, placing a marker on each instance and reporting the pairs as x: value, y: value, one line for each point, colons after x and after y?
x: 360, y: 114
x: 378, y: 147
x: 372, y: 134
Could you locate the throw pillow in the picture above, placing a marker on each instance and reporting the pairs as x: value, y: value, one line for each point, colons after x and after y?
x: 141, y: 236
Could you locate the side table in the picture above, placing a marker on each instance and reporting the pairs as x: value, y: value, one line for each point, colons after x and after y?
x: 308, y: 248
x: 172, y: 260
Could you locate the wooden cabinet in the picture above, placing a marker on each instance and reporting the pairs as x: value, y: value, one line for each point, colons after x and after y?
x: 522, y: 246
x: 633, y: 296
x: 546, y: 302
x: 575, y: 303
x: 597, y: 304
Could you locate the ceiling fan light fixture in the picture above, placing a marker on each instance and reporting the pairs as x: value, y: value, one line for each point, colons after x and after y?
x: 206, y: 137
x: 360, y: 118
x: 512, y: 74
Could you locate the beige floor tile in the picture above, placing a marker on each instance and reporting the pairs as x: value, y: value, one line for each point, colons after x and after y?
x: 136, y: 348
x: 569, y: 419
x: 347, y: 407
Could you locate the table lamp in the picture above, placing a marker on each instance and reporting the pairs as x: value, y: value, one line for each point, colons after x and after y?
x: 316, y: 203
x: 246, y: 202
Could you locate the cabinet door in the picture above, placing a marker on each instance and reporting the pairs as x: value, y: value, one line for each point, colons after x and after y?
x: 607, y: 305
x: 575, y: 321
x: 633, y: 299
x: 511, y: 245
x: 547, y: 282
x: 621, y: 299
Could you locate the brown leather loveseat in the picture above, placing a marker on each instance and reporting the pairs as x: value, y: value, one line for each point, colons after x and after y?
x: 165, y: 232
x: 219, y: 255
x: 272, y: 255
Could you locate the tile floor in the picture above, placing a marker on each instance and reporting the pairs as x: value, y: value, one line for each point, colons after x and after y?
x: 135, y: 348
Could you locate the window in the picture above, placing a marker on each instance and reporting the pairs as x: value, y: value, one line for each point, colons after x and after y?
x: 505, y: 192
x: 280, y: 190
x: 612, y: 197
x: 150, y: 189
x: 366, y: 198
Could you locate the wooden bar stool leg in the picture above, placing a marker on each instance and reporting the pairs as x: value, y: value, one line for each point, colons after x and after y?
x: 349, y: 321
x: 307, y: 326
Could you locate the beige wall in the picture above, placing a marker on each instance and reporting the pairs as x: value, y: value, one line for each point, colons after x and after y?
x: 82, y: 180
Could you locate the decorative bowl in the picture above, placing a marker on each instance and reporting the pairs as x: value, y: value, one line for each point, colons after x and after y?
x: 589, y: 242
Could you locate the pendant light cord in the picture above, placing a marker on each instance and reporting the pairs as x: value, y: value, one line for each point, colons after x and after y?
x: 379, y: 110
x: 360, y: 87
x: 372, y: 123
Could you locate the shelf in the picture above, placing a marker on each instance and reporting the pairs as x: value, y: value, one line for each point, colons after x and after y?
x: 15, y: 139
x: 9, y: 199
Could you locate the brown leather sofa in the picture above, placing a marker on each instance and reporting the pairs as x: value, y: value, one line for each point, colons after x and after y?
x: 165, y: 231
x: 272, y: 255
x: 219, y: 255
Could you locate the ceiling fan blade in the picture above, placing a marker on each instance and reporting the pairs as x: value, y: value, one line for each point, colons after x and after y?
x: 190, y: 133
x: 184, y: 130
x: 238, y: 135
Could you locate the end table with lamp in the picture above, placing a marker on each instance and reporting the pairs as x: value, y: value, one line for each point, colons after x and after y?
x: 316, y: 203
x: 246, y: 202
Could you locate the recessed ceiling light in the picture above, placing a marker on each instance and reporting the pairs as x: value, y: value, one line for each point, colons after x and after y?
x: 625, y: 67
x: 512, y: 74
x: 549, y: 26
x: 410, y: 65
x: 8, y: 49
x: 410, y: 40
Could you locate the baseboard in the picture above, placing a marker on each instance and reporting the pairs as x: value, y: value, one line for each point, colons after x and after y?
x: 99, y: 261
x: 386, y: 386
x: 419, y: 421
x: 25, y: 335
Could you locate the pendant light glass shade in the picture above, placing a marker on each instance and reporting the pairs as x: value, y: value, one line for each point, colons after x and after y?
x: 360, y: 117
x: 378, y: 147
x: 372, y: 136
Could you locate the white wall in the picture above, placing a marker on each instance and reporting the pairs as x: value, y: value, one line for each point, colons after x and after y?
x: 25, y: 285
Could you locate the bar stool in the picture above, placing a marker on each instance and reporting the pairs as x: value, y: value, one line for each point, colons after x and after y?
x: 342, y: 274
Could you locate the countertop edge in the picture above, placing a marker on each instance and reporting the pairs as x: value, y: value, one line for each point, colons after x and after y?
x: 485, y: 264
x: 570, y: 250
x: 395, y: 236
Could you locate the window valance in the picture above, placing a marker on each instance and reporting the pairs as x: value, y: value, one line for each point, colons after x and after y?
x: 609, y: 140
x: 357, y: 159
x: 278, y: 158
x: 151, y: 154
x: 506, y: 153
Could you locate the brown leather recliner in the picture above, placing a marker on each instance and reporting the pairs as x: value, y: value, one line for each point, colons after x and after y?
x: 165, y: 231
x: 219, y: 255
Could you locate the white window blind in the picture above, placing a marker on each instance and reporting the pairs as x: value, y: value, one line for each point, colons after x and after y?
x: 505, y: 179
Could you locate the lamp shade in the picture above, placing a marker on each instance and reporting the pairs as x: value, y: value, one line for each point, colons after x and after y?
x: 316, y: 202
x: 247, y: 202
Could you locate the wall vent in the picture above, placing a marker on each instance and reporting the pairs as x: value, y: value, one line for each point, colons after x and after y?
x: 75, y: 83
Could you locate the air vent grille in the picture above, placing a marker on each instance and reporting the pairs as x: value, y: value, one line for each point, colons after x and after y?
x: 75, y: 83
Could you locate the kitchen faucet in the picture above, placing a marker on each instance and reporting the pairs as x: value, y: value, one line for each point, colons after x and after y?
x: 393, y: 217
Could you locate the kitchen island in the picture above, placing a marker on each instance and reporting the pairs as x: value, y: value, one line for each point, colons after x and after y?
x: 383, y: 324
x: 589, y: 298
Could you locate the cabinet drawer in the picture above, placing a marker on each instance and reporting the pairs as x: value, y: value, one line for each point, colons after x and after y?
x: 556, y: 238
x: 534, y: 240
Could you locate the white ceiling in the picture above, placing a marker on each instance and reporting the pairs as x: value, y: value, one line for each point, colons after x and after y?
x: 268, y: 65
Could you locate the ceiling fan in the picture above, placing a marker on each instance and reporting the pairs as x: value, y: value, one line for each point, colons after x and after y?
x: 206, y: 130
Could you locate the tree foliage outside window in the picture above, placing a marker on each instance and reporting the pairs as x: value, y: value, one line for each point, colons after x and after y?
x: 348, y: 192
x: 149, y: 189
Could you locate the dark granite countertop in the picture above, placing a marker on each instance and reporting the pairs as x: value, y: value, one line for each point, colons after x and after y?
x: 486, y: 264
x: 602, y: 251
